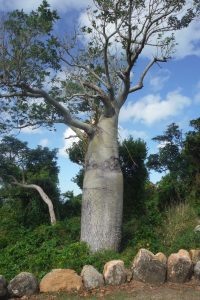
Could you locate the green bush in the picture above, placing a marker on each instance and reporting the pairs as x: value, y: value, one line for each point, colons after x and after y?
x: 48, y: 247
x: 177, y: 230
x: 37, y: 250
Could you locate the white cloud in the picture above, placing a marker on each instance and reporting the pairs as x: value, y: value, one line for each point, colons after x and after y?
x: 197, y: 97
x: 187, y: 39
x: 60, y: 5
x: 69, y: 137
x: 124, y: 133
x: 44, y: 142
x: 152, y: 108
x: 162, y: 144
x: 31, y: 130
x: 157, y: 82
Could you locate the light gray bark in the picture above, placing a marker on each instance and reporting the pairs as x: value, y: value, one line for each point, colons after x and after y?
x: 102, y: 201
x: 44, y: 197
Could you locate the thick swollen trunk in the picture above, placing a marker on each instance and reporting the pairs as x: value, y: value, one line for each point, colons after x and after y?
x: 102, y: 202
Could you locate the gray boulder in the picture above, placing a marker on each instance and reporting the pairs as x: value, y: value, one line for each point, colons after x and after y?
x: 24, y: 284
x: 197, y: 228
x: 194, y: 255
x: 129, y: 275
x: 179, y: 267
x: 91, y: 277
x: 197, y: 271
x: 114, y: 272
x: 3, y: 287
x: 149, y: 268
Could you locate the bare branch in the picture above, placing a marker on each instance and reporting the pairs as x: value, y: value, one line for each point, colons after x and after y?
x: 109, y: 109
x: 43, y: 195
x: 87, y: 69
x: 141, y: 80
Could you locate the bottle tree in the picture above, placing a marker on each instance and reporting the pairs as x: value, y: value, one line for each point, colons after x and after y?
x: 97, y: 64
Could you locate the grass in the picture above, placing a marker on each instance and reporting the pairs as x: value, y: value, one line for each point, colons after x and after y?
x: 178, y: 229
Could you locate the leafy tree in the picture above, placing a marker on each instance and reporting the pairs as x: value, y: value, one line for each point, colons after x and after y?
x: 132, y: 154
x: 192, y: 147
x: 180, y: 158
x: 169, y: 159
x: 170, y: 146
x: 71, y: 206
x: 192, y: 153
x: 28, y: 169
x: 98, y: 82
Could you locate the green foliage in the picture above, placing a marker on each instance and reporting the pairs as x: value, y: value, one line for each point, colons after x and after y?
x: 37, y: 250
x: 47, y: 247
x: 179, y: 156
x: 141, y: 231
x: 177, y: 230
x: 132, y: 154
x: 31, y: 54
x: 171, y: 143
x: 21, y: 164
x: 169, y: 191
x: 31, y: 51
x: 71, y: 206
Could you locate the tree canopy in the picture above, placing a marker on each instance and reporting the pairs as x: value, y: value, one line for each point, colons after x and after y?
x: 96, y: 74
x: 82, y: 81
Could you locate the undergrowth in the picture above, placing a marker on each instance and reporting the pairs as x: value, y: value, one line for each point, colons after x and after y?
x: 48, y: 247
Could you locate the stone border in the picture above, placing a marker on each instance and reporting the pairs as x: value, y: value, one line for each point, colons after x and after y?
x: 146, y: 267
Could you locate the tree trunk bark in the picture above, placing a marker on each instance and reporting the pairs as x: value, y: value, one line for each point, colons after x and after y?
x: 102, y: 202
x: 44, y: 197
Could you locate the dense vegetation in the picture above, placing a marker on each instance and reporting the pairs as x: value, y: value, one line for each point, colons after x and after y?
x: 81, y: 78
x: 159, y: 217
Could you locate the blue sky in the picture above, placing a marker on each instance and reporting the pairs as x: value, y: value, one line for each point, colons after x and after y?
x: 171, y: 92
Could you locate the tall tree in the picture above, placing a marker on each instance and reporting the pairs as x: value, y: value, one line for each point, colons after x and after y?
x: 132, y: 154
x: 28, y: 169
x: 178, y: 155
x: 168, y: 157
x: 98, y: 81
x: 192, y: 153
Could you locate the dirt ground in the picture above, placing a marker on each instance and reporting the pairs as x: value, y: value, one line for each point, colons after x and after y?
x: 133, y: 290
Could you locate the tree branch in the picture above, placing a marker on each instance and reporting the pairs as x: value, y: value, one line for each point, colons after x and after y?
x: 141, y: 80
x: 43, y: 195
x: 109, y: 109
x: 68, y: 120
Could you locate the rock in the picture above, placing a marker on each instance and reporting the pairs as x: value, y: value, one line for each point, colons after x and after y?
x: 61, y: 280
x: 179, y: 267
x: 197, y: 271
x: 197, y: 228
x: 149, y: 268
x: 161, y: 257
x: 195, y: 255
x: 129, y: 275
x: 24, y: 284
x: 91, y: 277
x: 114, y: 272
x: 3, y: 286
